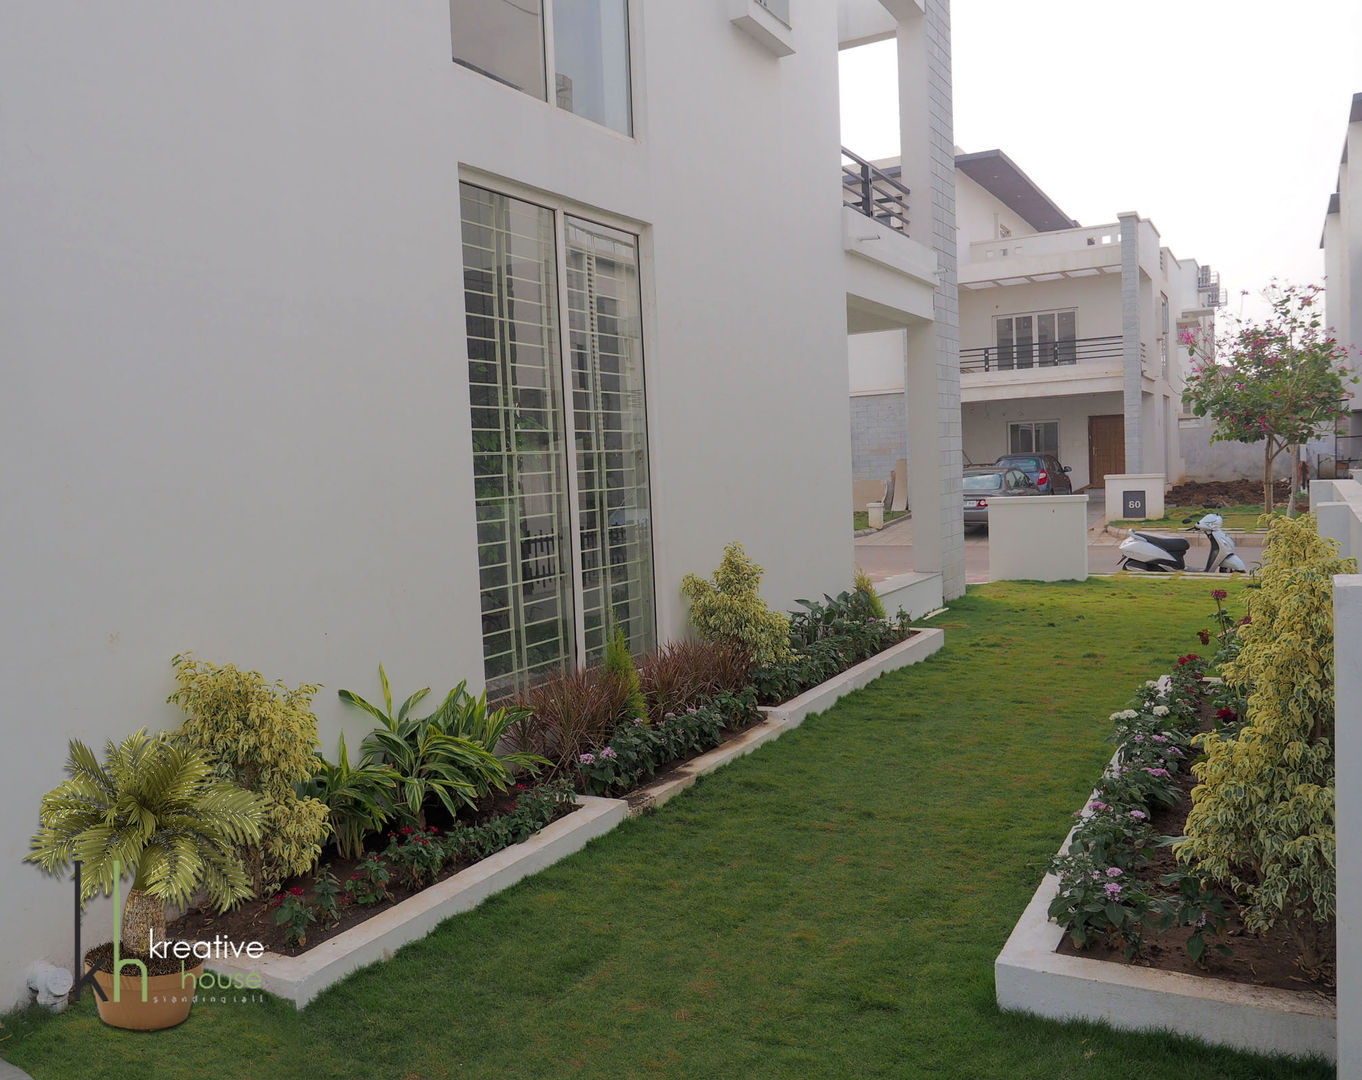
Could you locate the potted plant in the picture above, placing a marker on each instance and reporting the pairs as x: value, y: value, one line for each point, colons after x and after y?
x: 155, y: 811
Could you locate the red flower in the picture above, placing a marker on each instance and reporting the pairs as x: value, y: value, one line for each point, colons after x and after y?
x: 297, y: 890
x: 1218, y: 594
x: 407, y: 830
x: 1226, y: 714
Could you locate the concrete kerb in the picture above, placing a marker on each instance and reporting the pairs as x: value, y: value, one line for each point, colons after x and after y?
x: 299, y: 979
x: 781, y: 718
x: 1031, y: 977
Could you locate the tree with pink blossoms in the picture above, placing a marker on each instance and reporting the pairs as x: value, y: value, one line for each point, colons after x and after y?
x: 1280, y: 382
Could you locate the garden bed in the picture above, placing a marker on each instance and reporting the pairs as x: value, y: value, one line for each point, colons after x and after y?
x: 1032, y: 976
x: 366, y: 935
x: 302, y: 977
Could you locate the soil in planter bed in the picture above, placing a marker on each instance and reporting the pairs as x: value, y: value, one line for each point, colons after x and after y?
x: 1266, y: 960
x: 254, y: 920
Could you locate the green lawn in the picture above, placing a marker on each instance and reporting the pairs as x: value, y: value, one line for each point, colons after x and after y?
x: 830, y: 906
x: 1236, y: 517
x: 860, y: 519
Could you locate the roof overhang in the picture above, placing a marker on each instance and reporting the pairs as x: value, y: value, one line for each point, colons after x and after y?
x: 997, y: 174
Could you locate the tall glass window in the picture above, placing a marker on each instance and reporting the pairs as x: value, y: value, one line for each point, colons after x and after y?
x: 610, y: 428
x: 591, y: 60
x: 564, y: 547
x: 503, y: 39
x: 519, y: 470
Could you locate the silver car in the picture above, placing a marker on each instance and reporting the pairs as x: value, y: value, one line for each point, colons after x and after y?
x: 988, y: 482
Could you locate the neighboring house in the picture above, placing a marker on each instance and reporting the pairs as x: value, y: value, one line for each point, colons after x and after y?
x: 1069, y: 336
x: 435, y: 333
x: 1342, y: 244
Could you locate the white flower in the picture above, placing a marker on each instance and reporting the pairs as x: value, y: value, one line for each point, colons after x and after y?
x: 1160, y: 710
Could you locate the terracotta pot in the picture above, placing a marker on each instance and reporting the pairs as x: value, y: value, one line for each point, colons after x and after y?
x: 167, y: 1002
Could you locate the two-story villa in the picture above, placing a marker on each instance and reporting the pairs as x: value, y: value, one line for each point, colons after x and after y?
x: 1069, y: 335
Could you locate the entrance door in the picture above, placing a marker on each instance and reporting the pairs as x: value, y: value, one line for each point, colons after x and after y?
x: 1106, y: 447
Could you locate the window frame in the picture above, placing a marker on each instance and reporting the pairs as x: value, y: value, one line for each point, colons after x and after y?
x: 1010, y: 353
x: 550, y: 68
x: 562, y: 208
x: 1032, y: 424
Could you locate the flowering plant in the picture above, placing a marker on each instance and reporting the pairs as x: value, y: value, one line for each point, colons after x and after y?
x: 294, y: 914
x: 369, y: 882
x: 416, y: 855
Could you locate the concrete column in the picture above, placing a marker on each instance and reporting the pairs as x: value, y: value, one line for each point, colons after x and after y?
x: 932, y: 376
x: 1348, y: 810
x: 1130, y: 341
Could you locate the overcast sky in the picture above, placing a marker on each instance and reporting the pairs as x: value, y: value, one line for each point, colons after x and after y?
x: 1222, y: 121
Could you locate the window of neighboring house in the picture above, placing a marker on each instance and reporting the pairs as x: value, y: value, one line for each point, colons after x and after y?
x: 1163, y: 332
x: 1044, y: 338
x: 560, y: 460
x: 579, y: 47
x: 1033, y: 437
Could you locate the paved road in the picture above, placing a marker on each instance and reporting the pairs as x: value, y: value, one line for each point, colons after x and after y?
x: 890, y: 551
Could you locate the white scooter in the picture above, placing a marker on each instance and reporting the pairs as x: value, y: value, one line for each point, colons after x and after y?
x: 1163, y: 554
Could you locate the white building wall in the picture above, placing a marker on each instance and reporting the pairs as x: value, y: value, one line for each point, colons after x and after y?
x: 1342, y: 243
x: 235, y: 412
x: 1098, y: 300
x: 979, y: 213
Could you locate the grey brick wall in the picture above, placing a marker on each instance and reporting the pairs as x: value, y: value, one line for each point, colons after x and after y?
x: 879, y: 435
x: 947, y: 303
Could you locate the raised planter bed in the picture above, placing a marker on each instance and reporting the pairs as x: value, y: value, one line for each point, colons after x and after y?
x: 301, y: 978
x: 778, y: 719
x: 1030, y: 976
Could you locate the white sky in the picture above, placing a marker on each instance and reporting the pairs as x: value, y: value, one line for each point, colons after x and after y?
x: 1236, y: 112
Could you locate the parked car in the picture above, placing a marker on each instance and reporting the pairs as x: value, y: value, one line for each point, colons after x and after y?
x: 1049, y: 475
x: 991, y: 482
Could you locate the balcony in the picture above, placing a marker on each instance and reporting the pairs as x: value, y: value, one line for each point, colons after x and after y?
x: 1209, y: 292
x: 1105, y: 351
x: 873, y: 192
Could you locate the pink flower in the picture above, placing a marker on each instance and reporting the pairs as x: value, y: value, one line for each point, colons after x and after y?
x: 1113, y: 871
x: 1112, y: 890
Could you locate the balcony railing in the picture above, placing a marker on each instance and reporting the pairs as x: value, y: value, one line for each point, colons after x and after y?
x: 1208, y: 287
x: 1023, y: 355
x: 874, y: 192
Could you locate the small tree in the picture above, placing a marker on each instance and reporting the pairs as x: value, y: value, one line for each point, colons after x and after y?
x: 1262, y: 818
x: 1278, y: 382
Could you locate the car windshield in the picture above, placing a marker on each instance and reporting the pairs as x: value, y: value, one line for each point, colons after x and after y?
x: 984, y: 482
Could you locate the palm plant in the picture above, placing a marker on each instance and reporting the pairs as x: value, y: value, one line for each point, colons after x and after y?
x: 157, y: 811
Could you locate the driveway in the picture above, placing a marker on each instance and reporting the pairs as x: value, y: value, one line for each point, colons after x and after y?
x: 890, y: 551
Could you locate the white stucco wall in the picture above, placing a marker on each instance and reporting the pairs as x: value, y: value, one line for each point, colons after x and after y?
x: 875, y: 362
x: 1098, y: 300
x: 979, y: 213
x: 1204, y: 460
x: 235, y: 412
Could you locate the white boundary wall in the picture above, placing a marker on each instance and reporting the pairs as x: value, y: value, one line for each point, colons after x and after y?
x: 1038, y: 538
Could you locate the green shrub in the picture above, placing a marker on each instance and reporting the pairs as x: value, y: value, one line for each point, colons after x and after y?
x: 729, y: 608
x: 567, y: 713
x: 1262, y: 818
x: 358, y: 799
x: 863, y: 587
x: 620, y: 663
x: 264, y: 738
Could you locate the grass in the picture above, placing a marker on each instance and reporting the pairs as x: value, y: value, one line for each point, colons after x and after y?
x: 1236, y: 517
x: 860, y: 519
x: 830, y: 906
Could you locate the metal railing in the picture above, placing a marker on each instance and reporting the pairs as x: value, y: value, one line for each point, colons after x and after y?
x: 1208, y: 287
x: 1022, y: 355
x: 874, y: 192
x: 1347, y: 451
